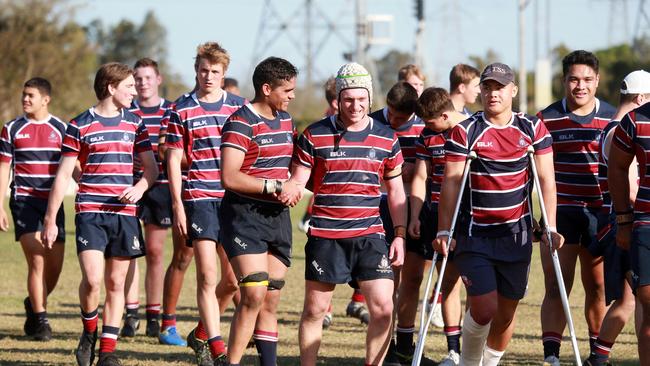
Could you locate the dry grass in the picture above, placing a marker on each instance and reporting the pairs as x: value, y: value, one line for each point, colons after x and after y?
x: 343, y: 343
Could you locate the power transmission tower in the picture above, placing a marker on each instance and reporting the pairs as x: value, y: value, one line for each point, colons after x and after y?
x: 617, y: 21
x: 642, y: 21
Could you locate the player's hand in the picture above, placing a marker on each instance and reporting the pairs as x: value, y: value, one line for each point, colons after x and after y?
x: 4, y: 221
x: 396, y: 252
x: 440, y: 245
x: 414, y: 229
x: 624, y: 236
x: 180, y: 221
x: 558, y: 240
x: 49, y: 233
x: 291, y: 193
x: 131, y: 195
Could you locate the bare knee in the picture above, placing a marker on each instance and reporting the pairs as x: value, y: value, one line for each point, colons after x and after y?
x: 253, y: 297
x: 181, y: 260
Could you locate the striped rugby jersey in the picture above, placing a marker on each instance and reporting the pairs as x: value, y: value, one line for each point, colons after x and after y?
x: 430, y: 147
x: 105, y: 148
x: 347, y: 170
x: 407, y: 134
x: 34, y: 150
x: 152, y: 118
x: 268, y: 145
x: 196, y: 128
x: 576, y: 149
x: 496, y: 200
x: 602, y: 166
x: 633, y: 137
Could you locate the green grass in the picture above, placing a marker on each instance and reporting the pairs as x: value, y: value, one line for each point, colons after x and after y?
x: 343, y: 343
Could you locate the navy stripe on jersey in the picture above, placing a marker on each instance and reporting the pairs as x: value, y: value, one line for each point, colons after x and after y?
x: 152, y: 118
x: 576, y: 151
x: 34, y: 150
x: 496, y: 199
x: 633, y: 137
x: 196, y: 128
x: 347, y: 169
x: 268, y: 144
x: 105, y: 152
x: 407, y: 134
x: 602, y: 166
x: 431, y: 147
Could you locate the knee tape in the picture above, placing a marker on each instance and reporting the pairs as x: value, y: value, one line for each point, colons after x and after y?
x: 276, y: 284
x: 255, y: 279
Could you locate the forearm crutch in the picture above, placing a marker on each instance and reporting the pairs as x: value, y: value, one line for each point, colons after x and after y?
x: 424, y: 323
x: 554, y: 258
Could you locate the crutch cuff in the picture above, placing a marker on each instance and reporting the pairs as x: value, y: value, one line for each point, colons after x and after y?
x: 442, y: 233
x: 552, y: 229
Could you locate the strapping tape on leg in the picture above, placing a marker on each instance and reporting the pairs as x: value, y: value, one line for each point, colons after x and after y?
x: 256, y: 279
x: 276, y: 284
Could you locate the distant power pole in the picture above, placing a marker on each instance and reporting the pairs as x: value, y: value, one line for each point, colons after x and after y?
x: 361, y: 32
x: 419, y: 34
x: 642, y: 21
x: 523, y: 83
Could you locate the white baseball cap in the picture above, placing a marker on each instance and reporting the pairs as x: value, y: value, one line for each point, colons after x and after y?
x: 636, y: 82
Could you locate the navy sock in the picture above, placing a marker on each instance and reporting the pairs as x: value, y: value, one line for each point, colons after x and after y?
x: 267, y: 347
x: 404, y: 339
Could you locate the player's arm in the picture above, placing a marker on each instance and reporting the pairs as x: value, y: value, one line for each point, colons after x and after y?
x: 546, y: 174
x: 233, y: 179
x: 633, y: 171
x: 55, y: 199
x: 149, y: 176
x: 162, y: 149
x: 397, y: 207
x: 418, y: 193
x: 174, y: 156
x: 448, y: 195
x: 618, y: 178
x: 5, y: 170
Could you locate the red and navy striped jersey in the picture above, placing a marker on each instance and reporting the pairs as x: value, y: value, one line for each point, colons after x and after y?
x: 633, y: 137
x: 347, y: 170
x: 34, y: 149
x: 196, y: 128
x: 496, y: 200
x: 268, y: 144
x: 105, y: 148
x: 152, y: 118
x: 406, y: 134
x: 430, y: 147
x: 575, y: 152
x: 602, y: 166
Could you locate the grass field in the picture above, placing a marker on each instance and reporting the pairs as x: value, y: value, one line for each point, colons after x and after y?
x: 343, y: 343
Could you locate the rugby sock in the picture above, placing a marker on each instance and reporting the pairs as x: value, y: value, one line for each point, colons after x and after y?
x: 153, y: 311
x: 600, y: 351
x: 404, y: 339
x: 200, y: 332
x: 267, y: 346
x: 474, y: 336
x: 217, y: 346
x: 453, y: 338
x: 132, y: 309
x: 552, y: 342
x: 592, y: 338
x: 90, y: 321
x: 357, y: 296
x: 491, y: 357
x: 168, y: 321
x: 108, y: 339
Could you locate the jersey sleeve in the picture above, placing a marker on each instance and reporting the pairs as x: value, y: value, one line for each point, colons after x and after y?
x: 543, y: 141
x: 304, y: 152
x: 175, y: 130
x: 456, y: 146
x: 626, y: 134
x: 395, y: 158
x: 6, y: 145
x: 237, y: 133
x: 421, y: 151
x: 142, y: 142
x: 72, y: 140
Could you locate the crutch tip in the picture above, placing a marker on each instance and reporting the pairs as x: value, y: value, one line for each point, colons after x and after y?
x: 472, y: 155
x: 531, y: 149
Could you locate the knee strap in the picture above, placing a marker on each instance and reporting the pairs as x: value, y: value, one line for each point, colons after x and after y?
x: 255, y: 279
x: 276, y: 284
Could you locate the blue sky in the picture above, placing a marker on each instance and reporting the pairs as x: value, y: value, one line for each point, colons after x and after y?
x: 455, y: 29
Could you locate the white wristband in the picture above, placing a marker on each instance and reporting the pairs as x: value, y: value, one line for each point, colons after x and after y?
x: 442, y: 233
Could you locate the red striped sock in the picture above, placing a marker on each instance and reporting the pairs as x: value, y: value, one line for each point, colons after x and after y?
x: 217, y: 346
x: 200, y: 332
x: 357, y: 296
x: 90, y: 321
x: 108, y: 339
x: 168, y: 320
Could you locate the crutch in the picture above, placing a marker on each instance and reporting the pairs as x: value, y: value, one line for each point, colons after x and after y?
x: 424, y: 323
x: 556, y: 260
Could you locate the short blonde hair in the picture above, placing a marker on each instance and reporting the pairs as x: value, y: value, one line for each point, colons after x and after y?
x: 409, y: 70
x: 213, y: 53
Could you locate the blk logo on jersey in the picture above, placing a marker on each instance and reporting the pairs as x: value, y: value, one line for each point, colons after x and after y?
x: 337, y: 154
x: 384, y: 265
x: 317, y: 267
x: 200, y: 123
x: 565, y: 137
x: 97, y: 139
x: 484, y: 144
x: 266, y: 141
x: 20, y: 136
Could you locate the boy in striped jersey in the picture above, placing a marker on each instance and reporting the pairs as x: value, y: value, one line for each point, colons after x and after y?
x: 195, y: 131
x: 439, y: 115
x: 30, y: 147
x: 105, y: 139
x: 635, y: 92
x: 257, y: 147
x: 576, y: 123
x: 493, y: 243
x: 348, y: 156
x: 155, y: 206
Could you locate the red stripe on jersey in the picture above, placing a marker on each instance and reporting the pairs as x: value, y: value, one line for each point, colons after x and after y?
x: 485, y: 216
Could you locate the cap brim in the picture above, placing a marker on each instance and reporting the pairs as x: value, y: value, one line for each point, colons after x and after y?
x: 502, y: 81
